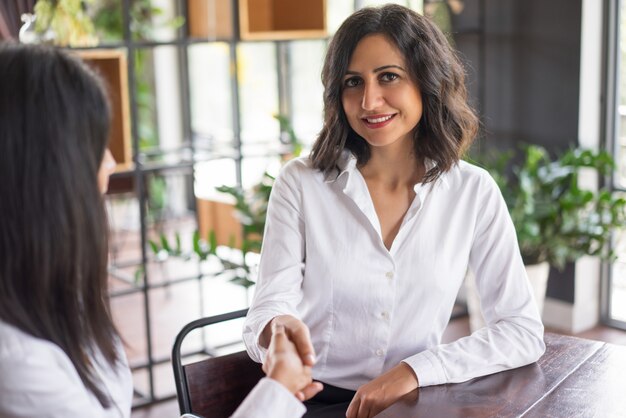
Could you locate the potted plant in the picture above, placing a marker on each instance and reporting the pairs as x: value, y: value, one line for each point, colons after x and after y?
x: 556, y: 218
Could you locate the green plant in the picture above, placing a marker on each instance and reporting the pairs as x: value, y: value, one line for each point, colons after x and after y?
x: 67, y: 20
x: 108, y: 19
x: 556, y: 218
x: 237, y: 272
x: 251, y: 209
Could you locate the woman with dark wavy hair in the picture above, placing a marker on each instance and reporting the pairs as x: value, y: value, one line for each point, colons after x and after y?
x: 368, y: 240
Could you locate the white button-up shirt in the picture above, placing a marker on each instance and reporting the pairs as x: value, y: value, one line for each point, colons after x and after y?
x: 37, y: 379
x: 368, y: 308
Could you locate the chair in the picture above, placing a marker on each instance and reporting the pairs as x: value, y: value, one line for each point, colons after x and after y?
x: 213, y: 388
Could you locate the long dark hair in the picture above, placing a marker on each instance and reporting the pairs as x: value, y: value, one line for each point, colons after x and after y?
x: 54, y: 123
x: 448, y: 125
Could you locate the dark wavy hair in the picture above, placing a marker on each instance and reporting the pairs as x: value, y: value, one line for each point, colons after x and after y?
x: 448, y: 124
x: 54, y: 123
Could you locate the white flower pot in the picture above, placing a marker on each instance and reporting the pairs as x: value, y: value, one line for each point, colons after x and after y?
x: 538, y: 277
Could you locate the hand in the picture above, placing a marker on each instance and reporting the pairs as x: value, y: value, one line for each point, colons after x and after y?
x: 375, y: 396
x: 284, y: 365
x: 296, y: 331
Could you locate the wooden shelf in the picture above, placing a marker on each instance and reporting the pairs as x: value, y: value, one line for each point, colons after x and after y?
x: 282, y: 19
x: 111, y: 65
x: 211, y: 19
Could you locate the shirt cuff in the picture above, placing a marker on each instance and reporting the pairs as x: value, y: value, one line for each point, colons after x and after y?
x: 270, y: 399
x: 427, y: 368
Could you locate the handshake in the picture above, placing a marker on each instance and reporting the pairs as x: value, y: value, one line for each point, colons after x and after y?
x: 287, y: 364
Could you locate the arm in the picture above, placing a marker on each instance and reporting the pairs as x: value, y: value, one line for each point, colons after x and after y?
x: 514, y: 334
x: 278, y: 289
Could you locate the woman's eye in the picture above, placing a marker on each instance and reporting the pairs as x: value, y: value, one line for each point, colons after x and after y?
x: 352, y: 82
x: 388, y: 76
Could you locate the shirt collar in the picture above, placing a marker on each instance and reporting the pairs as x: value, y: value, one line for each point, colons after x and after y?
x: 347, y: 164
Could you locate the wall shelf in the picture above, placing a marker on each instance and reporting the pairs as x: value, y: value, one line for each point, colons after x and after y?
x: 282, y: 19
x: 111, y: 65
x: 259, y: 20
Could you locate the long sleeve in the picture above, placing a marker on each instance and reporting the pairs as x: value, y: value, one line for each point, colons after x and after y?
x: 270, y: 399
x: 513, y: 336
x: 278, y: 290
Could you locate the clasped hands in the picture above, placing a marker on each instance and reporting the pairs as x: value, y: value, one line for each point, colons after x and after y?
x: 284, y: 364
x: 291, y: 356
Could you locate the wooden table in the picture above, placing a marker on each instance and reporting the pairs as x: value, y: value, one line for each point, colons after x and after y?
x: 574, y: 378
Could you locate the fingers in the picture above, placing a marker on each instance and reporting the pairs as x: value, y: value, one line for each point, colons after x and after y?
x: 298, y: 333
x: 300, y: 336
x: 353, y: 408
x: 310, y: 390
x: 279, y: 342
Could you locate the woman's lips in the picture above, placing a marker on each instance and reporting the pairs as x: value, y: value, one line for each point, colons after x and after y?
x: 377, y: 121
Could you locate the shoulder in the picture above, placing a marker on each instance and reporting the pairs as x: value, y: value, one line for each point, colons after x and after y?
x: 36, y: 376
x: 19, y: 349
x: 298, y: 166
x: 470, y: 178
x: 16, y: 343
x: 299, y: 170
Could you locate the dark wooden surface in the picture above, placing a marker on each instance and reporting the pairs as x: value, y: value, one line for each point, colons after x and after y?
x: 574, y: 378
x: 218, y: 385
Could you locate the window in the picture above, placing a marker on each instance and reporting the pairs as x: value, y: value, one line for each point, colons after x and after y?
x: 615, y: 300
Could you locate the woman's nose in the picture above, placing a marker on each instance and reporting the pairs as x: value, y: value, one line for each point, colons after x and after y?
x: 372, y: 97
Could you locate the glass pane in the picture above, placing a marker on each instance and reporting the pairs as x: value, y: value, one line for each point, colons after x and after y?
x: 158, y: 104
x: 306, y: 89
x: 212, y: 174
x: 258, y: 90
x: 252, y: 170
x: 211, y: 99
x: 151, y: 20
x: 617, y: 301
x: 617, y: 288
x: 154, y: 20
x: 621, y: 110
x: 337, y: 12
x: 107, y: 20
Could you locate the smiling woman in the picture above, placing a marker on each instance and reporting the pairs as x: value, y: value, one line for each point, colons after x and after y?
x: 379, y: 93
x: 368, y: 240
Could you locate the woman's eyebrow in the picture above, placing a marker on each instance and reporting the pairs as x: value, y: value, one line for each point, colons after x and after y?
x: 377, y: 70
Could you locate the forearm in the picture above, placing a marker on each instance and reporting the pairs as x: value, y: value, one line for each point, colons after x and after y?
x: 492, y: 349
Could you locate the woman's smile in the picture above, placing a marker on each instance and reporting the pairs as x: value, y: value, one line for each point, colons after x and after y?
x: 378, y: 121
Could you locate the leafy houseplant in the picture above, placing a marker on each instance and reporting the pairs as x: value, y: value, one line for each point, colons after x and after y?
x: 65, y: 22
x: 251, y: 210
x: 556, y: 218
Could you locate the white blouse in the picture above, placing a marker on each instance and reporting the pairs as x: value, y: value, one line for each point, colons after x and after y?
x: 368, y: 308
x: 37, y: 379
x: 270, y: 399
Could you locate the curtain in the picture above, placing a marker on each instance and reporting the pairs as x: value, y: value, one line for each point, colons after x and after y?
x: 10, y: 13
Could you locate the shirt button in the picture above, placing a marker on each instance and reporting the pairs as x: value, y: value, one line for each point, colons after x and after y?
x: 379, y: 352
x: 389, y: 275
x: 384, y: 315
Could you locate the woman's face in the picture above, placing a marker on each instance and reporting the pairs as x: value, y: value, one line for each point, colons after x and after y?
x: 383, y: 105
x: 107, y: 167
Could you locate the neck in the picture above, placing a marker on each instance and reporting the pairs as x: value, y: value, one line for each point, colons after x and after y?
x: 394, y: 166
